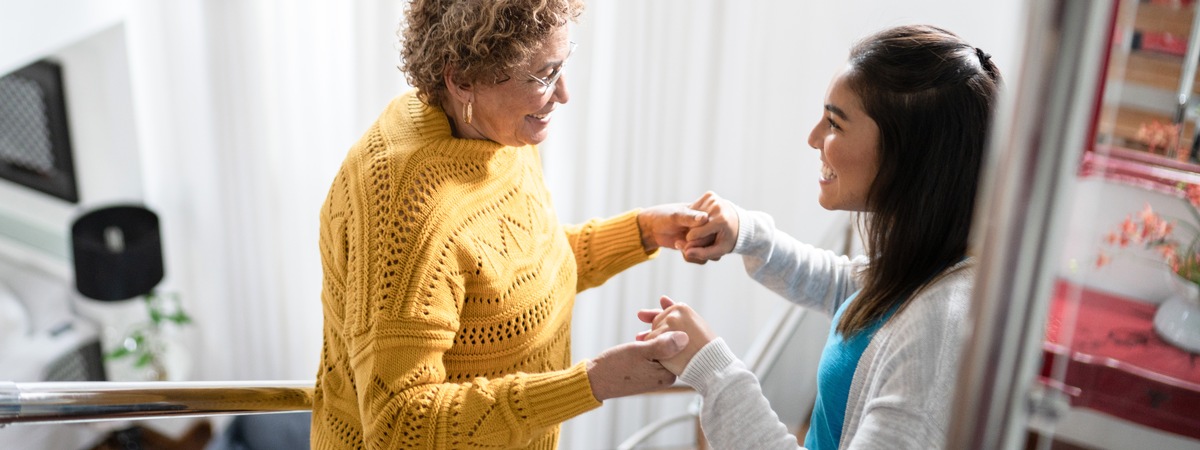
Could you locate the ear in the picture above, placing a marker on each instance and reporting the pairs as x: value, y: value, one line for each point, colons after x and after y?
x: 458, y: 89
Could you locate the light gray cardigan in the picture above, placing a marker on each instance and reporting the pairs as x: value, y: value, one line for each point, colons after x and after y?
x: 900, y: 396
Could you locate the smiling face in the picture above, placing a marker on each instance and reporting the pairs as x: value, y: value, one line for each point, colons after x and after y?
x: 848, y: 140
x: 516, y: 111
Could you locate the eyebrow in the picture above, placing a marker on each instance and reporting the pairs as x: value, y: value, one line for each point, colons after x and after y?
x: 556, y: 63
x: 838, y: 111
x: 549, y: 65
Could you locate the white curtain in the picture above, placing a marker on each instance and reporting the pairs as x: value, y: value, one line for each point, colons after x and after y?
x: 245, y: 111
x: 246, y: 108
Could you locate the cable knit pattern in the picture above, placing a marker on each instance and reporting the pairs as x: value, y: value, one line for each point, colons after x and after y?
x: 448, y: 289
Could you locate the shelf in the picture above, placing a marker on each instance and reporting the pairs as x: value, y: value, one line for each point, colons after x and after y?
x: 1164, y: 18
x: 1117, y: 364
x: 1156, y: 70
x: 1121, y: 124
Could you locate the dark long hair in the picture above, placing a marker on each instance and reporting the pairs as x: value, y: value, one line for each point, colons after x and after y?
x: 932, y: 96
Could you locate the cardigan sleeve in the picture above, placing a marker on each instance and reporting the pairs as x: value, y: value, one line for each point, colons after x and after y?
x: 735, y: 414
x: 606, y: 247
x: 803, y: 274
x: 402, y: 303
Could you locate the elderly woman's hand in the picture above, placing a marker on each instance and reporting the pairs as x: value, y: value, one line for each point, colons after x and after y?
x: 717, y: 236
x: 633, y: 368
x: 668, y: 225
x: 676, y: 317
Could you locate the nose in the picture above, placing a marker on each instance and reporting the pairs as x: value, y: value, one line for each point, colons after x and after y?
x: 560, y: 90
x: 816, y: 137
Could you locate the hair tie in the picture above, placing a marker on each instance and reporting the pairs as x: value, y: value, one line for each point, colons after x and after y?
x: 983, y: 56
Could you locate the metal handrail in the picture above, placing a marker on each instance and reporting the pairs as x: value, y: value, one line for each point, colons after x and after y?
x: 59, y: 402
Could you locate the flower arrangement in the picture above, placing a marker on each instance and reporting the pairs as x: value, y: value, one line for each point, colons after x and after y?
x: 1159, y: 138
x: 1162, y: 139
x: 1162, y: 235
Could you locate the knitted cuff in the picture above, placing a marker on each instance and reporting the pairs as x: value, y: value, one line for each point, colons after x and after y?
x: 609, y: 246
x: 619, y: 238
x: 706, y: 364
x: 745, y: 229
x: 557, y: 396
x: 754, y: 231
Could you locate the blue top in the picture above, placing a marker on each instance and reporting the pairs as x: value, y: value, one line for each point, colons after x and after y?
x: 835, y: 371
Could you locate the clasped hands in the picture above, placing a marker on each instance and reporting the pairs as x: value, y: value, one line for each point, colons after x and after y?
x: 704, y: 231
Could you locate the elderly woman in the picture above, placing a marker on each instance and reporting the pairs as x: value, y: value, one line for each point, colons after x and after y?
x: 448, y: 281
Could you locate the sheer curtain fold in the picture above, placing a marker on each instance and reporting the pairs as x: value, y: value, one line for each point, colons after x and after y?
x: 246, y: 110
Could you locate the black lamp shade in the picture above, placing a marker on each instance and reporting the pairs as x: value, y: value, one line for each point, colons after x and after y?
x: 118, y: 252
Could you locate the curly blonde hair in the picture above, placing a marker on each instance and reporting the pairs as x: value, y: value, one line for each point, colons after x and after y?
x: 481, y: 39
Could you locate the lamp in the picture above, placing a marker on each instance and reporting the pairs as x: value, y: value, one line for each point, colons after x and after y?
x: 118, y: 252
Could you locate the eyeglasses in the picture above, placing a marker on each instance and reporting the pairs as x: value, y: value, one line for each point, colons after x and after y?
x: 547, y: 84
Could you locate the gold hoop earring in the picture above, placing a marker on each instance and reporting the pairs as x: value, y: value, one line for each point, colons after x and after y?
x: 467, y: 112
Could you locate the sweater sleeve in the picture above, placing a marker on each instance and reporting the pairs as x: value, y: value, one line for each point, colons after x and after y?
x: 606, y: 247
x: 735, y: 412
x: 803, y: 274
x: 403, y: 296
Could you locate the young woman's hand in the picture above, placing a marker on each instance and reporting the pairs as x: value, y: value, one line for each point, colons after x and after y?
x: 676, y: 317
x: 717, y: 236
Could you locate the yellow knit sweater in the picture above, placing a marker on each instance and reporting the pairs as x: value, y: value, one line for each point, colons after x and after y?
x: 448, y: 288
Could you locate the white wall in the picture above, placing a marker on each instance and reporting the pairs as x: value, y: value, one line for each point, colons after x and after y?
x: 1099, y: 208
x: 88, y: 39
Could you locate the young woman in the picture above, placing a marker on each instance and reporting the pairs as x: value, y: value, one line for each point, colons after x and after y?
x: 901, y: 139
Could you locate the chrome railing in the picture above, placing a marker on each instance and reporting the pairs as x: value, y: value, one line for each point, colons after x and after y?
x: 60, y: 402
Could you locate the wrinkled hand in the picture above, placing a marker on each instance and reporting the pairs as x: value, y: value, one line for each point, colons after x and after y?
x: 717, y: 236
x: 632, y: 368
x: 668, y: 225
x: 672, y: 318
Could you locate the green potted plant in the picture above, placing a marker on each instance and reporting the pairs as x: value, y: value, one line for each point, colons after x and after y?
x: 145, y: 344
